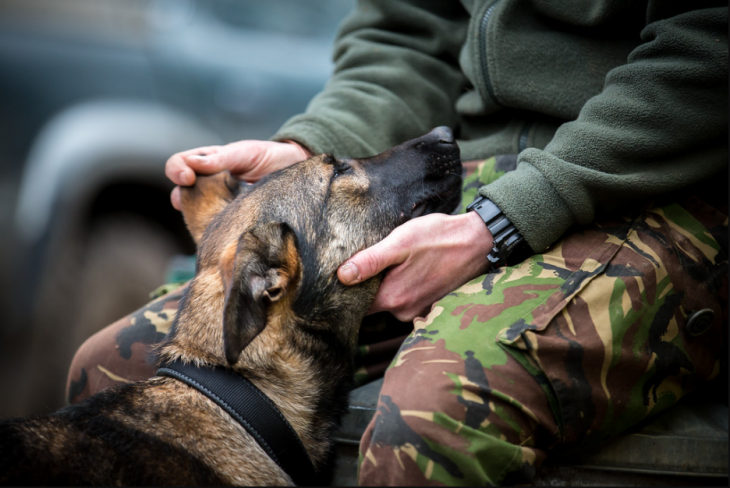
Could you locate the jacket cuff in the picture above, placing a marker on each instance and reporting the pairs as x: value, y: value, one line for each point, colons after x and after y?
x: 531, y: 204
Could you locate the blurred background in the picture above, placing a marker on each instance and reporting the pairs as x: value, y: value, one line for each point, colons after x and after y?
x: 95, y: 95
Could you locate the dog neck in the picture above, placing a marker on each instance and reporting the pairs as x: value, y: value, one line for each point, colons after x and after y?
x: 306, y: 376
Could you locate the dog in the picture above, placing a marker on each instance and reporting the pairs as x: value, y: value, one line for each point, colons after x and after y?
x: 266, y: 304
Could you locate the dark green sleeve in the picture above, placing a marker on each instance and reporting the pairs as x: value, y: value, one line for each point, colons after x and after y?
x: 396, y: 77
x: 659, y: 125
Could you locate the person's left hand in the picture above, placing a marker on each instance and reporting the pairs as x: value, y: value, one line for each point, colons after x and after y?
x: 431, y: 256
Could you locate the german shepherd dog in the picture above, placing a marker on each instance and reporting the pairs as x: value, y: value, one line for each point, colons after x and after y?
x: 266, y: 303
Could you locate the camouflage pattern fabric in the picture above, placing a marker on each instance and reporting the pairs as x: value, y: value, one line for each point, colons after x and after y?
x: 612, y: 325
x: 120, y: 353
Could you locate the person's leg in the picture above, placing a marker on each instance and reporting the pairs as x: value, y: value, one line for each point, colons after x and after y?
x: 119, y: 353
x: 643, y: 329
x: 612, y: 325
x: 445, y: 405
x: 449, y: 414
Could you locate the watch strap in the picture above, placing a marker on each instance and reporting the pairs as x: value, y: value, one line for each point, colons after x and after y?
x: 506, y: 237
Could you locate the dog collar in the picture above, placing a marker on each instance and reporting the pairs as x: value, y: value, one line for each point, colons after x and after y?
x: 253, y: 410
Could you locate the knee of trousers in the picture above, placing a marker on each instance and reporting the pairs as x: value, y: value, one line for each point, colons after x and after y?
x: 100, y: 362
x: 446, y: 418
x: 120, y: 353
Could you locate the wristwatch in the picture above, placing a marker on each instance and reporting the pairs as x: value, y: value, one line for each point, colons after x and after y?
x: 507, y: 239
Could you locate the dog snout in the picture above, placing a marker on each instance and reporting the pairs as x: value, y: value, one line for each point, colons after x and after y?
x: 439, y: 144
x: 433, y: 156
x: 441, y: 152
x: 445, y: 136
x: 439, y: 139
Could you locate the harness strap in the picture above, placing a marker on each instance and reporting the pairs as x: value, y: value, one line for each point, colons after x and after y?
x: 253, y: 410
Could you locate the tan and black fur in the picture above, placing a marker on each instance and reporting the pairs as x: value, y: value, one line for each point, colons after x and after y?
x: 265, y: 302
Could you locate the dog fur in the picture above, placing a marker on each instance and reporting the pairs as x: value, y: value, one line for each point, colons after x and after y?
x: 265, y: 302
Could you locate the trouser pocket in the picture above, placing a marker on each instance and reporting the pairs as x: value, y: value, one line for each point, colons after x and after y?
x: 639, y: 321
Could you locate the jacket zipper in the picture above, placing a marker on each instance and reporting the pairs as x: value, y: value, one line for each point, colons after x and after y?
x: 522, y: 142
x: 483, y: 51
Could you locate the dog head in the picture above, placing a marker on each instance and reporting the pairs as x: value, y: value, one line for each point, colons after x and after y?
x: 268, y: 253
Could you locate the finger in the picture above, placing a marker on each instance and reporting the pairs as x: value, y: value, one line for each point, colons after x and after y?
x: 405, y: 312
x: 240, y: 158
x: 175, y: 198
x: 371, y: 261
x: 177, y: 168
x: 208, y: 164
x: 422, y: 314
x: 373, y: 309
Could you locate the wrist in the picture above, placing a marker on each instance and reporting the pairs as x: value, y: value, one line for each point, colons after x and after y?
x: 478, y: 240
x: 481, y: 235
x: 506, y: 239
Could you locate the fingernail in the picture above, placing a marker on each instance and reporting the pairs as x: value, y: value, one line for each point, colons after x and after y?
x: 349, y: 273
x: 198, y: 158
x: 184, y: 177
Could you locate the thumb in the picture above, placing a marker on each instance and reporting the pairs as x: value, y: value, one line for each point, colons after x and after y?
x: 369, y: 262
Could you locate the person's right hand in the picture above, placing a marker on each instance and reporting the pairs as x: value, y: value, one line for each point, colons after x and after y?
x: 246, y: 160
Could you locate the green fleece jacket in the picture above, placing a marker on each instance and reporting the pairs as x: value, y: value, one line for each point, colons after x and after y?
x: 608, y: 102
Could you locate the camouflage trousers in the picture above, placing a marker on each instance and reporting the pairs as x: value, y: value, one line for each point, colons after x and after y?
x: 612, y: 325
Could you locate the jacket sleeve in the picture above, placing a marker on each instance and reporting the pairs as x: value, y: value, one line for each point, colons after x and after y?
x: 396, y: 77
x: 659, y: 125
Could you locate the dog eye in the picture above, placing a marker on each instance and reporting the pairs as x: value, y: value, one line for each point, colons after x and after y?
x: 340, y: 170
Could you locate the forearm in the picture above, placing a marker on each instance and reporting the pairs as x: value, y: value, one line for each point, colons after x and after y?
x: 396, y: 77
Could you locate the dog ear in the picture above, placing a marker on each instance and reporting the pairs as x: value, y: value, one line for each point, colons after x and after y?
x: 258, y: 270
x: 206, y: 198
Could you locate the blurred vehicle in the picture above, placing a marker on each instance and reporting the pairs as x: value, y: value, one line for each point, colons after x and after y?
x: 95, y: 95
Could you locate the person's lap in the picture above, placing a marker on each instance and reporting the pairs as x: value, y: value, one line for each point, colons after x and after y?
x: 570, y: 346
x: 567, y: 348
x: 119, y: 353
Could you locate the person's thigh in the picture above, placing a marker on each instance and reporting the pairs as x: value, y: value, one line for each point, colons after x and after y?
x: 120, y: 352
x: 612, y: 325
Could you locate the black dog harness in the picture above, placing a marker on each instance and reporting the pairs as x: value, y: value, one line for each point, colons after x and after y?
x: 253, y: 410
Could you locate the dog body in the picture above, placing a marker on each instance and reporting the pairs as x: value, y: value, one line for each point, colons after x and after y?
x: 266, y: 303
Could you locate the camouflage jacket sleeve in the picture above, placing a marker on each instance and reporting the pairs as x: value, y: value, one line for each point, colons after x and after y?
x: 659, y: 125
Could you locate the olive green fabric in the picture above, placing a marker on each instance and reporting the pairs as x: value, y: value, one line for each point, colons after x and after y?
x: 618, y: 101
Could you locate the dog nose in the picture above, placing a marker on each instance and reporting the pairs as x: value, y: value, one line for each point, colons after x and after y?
x: 441, y: 135
x: 441, y: 152
x: 440, y: 140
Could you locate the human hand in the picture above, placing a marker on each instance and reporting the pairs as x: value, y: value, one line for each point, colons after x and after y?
x: 248, y: 160
x: 432, y: 256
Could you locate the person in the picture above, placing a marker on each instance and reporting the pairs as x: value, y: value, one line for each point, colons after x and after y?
x: 608, y: 304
